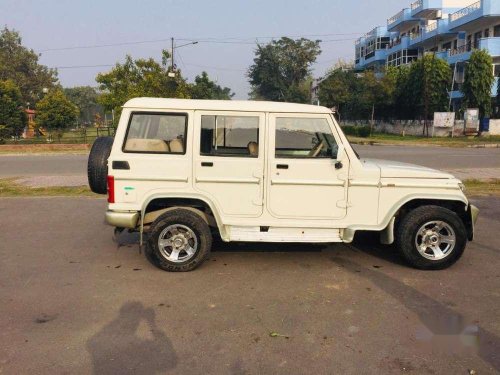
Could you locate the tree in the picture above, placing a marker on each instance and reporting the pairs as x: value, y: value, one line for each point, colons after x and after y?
x: 142, y: 77
x: 12, y: 115
x: 204, y: 88
x: 20, y: 65
x: 478, y: 82
x: 358, y: 95
x: 85, y: 98
x: 426, y: 88
x: 56, y: 112
x: 402, y: 98
x: 340, y: 89
x: 281, y: 70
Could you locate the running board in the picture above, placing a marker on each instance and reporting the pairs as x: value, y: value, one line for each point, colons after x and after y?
x: 276, y: 234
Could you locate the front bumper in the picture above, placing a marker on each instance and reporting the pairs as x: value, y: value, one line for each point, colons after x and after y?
x: 473, y: 213
x: 122, y: 219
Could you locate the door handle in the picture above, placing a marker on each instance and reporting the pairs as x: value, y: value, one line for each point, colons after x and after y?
x: 207, y: 164
x: 338, y: 165
x: 282, y: 166
x: 117, y: 164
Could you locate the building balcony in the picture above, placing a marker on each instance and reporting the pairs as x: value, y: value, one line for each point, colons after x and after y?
x: 402, y: 19
x: 438, y: 28
x: 479, y: 9
x: 376, y: 32
x: 491, y: 45
x: 425, y: 8
x: 399, y: 44
x: 431, y: 9
x: 375, y: 57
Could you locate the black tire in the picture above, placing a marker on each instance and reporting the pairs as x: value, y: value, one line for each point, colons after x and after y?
x: 185, y: 218
x: 406, y: 233
x: 97, y: 165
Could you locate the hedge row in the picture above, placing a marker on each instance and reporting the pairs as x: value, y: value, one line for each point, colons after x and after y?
x: 357, y: 131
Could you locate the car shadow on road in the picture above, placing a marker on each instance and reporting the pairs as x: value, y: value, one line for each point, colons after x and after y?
x: 369, y: 243
x: 122, y: 347
x: 439, y: 320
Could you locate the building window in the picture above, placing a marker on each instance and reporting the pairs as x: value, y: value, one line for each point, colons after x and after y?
x: 496, y: 31
x: 229, y: 136
x: 158, y: 133
x: 477, y: 38
x: 486, y: 33
x: 496, y: 70
x: 298, y: 137
x: 446, y: 46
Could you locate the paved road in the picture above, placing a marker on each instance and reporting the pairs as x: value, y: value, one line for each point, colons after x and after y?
x: 43, y: 165
x: 434, y: 157
x: 75, y: 302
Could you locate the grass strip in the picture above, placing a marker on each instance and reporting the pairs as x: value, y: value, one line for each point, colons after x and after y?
x: 431, y: 141
x: 9, y: 188
x: 479, y: 188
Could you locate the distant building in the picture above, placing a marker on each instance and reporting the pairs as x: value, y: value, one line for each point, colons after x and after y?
x: 451, y: 29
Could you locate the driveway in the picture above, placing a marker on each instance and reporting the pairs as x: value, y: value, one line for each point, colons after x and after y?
x: 74, y: 301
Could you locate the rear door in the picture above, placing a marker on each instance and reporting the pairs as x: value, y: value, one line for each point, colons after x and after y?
x: 229, y: 160
x: 305, y: 179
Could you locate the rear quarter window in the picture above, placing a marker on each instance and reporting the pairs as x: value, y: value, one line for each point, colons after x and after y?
x: 159, y: 133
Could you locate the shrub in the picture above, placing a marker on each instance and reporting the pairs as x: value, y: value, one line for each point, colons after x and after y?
x: 357, y: 131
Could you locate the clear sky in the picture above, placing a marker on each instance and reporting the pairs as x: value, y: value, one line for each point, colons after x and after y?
x: 229, y: 28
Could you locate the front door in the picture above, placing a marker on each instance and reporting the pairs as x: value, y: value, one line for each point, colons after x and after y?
x: 305, y: 178
x: 229, y: 160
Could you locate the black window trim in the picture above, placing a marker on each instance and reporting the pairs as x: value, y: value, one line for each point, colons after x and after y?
x: 186, y: 116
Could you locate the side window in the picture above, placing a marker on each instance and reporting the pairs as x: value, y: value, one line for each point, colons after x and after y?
x: 160, y: 133
x: 236, y: 136
x: 304, y: 138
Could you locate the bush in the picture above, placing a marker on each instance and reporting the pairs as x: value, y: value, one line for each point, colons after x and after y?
x: 357, y: 131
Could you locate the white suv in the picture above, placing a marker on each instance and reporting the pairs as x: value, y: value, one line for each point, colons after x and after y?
x: 183, y: 171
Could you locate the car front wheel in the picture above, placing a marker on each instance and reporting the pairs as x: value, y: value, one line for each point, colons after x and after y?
x: 431, y: 237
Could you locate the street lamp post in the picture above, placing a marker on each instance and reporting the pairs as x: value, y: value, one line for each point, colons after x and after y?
x: 173, y: 47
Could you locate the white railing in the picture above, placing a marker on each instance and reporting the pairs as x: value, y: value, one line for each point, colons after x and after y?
x: 396, y: 18
x: 371, y: 33
x: 416, y: 4
x: 465, y: 11
x: 431, y: 27
x: 414, y: 36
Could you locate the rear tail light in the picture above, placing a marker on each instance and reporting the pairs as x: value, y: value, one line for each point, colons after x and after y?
x: 111, y: 189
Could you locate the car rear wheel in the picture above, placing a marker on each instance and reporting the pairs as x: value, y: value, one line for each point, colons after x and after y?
x: 180, y: 240
x: 431, y: 237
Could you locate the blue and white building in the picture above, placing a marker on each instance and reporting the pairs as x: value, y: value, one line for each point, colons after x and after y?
x: 451, y: 29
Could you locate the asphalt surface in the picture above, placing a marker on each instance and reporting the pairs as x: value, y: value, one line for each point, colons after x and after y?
x: 75, y: 302
x: 434, y: 157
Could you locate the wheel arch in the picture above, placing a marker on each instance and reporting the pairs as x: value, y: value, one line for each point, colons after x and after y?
x: 460, y: 207
x: 387, y: 225
x: 160, y: 203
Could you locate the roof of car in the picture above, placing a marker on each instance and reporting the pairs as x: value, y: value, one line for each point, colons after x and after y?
x: 223, y: 105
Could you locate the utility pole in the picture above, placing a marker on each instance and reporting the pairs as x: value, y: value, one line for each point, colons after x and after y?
x: 172, y: 57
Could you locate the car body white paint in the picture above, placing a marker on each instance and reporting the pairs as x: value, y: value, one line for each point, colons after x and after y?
x: 311, y: 202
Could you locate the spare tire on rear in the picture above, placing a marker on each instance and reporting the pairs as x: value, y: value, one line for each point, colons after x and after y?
x: 97, y: 166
